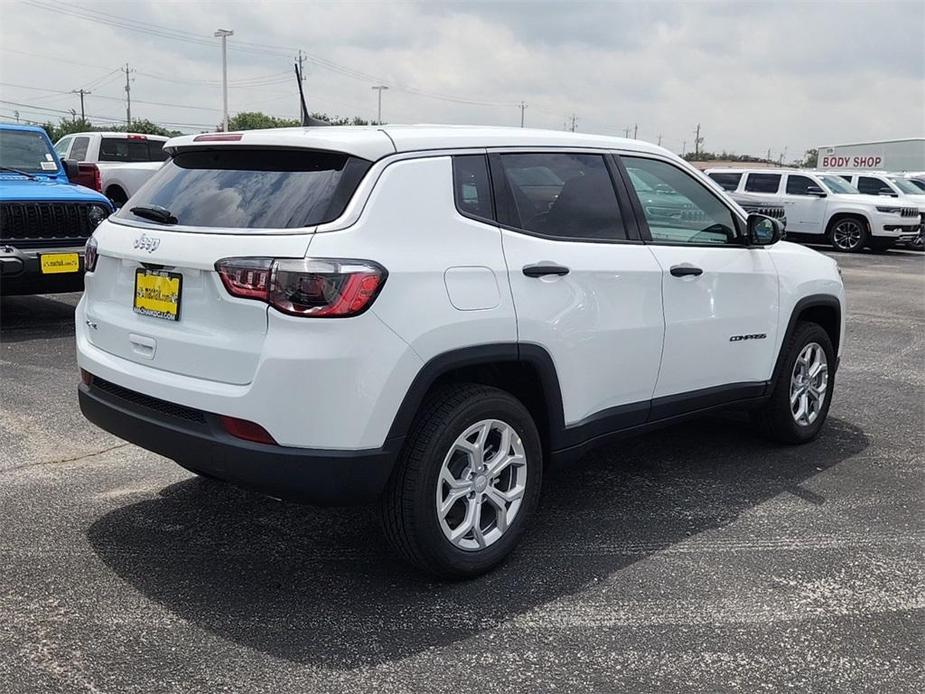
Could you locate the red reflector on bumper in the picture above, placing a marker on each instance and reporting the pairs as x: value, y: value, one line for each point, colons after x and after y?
x: 249, y: 431
x: 86, y: 377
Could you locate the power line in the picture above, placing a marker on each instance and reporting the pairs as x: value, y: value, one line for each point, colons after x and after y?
x: 159, y: 31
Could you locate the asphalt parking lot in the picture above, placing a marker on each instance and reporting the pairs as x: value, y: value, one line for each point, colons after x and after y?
x: 696, y: 558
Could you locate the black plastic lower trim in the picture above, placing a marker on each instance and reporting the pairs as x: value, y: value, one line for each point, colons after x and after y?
x: 21, y: 271
x: 315, y: 476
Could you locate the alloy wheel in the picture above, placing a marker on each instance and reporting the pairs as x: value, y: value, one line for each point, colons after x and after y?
x: 481, y: 484
x: 847, y: 235
x: 808, y: 384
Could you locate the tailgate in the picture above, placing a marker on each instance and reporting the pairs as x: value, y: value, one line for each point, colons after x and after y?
x: 216, y: 337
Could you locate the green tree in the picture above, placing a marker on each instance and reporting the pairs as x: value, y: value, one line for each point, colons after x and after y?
x: 256, y: 120
x: 810, y: 159
x: 78, y: 125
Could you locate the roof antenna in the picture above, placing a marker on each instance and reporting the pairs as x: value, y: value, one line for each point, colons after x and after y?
x: 307, y: 119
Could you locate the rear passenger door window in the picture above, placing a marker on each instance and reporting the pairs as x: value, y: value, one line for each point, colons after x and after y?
x: 678, y: 208
x: 762, y: 183
x: 560, y: 195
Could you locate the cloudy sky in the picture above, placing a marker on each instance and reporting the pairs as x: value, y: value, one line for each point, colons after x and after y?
x: 755, y: 75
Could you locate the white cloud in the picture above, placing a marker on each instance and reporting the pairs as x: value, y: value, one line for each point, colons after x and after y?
x: 755, y: 75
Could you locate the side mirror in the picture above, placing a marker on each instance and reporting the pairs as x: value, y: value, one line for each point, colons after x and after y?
x: 71, y: 170
x: 887, y: 193
x: 763, y: 230
x: 815, y: 190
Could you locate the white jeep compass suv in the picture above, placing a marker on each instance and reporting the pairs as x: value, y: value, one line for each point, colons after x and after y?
x: 427, y: 316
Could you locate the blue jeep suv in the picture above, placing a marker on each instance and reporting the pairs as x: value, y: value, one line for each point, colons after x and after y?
x: 45, y: 220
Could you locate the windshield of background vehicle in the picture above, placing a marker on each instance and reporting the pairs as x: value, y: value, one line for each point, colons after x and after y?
x: 838, y: 185
x: 26, y: 151
x: 905, y: 186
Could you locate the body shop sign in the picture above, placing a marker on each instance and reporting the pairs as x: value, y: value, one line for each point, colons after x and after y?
x: 831, y: 159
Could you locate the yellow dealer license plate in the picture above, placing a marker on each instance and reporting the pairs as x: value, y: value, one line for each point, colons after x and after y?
x: 53, y: 263
x: 157, y: 293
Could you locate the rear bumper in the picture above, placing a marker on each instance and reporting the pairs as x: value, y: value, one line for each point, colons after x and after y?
x: 21, y: 271
x: 196, y: 439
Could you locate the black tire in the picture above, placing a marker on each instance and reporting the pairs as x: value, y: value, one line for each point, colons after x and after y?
x: 859, y: 234
x: 408, y: 505
x: 116, y: 196
x: 775, y: 418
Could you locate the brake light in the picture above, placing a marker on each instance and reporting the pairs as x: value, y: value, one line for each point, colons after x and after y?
x: 311, y: 287
x: 137, y: 137
x: 247, y: 430
x: 218, y: 137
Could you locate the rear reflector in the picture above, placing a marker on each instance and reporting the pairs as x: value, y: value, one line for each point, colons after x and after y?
x: 249, y: 431
x: 218, y: 137
x: 86, y: 377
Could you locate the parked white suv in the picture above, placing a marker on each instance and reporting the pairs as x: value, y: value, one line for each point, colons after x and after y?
x: 886, y: 185
x: 429, y: 315
x: 123, y: 161
x: 821, y: 206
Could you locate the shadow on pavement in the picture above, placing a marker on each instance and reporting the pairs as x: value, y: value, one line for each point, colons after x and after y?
x: 320, y: 585
x: 37, y: 317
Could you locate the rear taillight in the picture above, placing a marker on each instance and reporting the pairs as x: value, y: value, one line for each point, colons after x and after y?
x: 89, y: 175
x: 90, y: 255
x: 313, y: 287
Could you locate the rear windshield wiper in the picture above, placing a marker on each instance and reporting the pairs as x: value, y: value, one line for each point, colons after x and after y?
x: 21, y: 173
x: 155, y: 213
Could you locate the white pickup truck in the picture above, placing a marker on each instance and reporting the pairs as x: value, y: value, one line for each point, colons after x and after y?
x: 116, y: 164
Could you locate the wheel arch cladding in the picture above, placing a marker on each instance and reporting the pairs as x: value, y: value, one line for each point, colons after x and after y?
x: 824, y: 309
x: 525, y: 371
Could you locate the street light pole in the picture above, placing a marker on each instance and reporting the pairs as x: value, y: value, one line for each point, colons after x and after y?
x: 379, y: 88
x: 223, y: 34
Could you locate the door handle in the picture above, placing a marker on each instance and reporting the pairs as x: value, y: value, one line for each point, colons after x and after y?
x: 685, y: 271
x: 542, y: 270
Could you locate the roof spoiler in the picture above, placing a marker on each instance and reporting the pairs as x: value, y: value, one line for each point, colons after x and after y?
x: 307, y: 119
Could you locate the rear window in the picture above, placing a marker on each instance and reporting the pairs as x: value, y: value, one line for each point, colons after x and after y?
x: 728, y: 181
x: 252, y: 189
x: 126, y: 150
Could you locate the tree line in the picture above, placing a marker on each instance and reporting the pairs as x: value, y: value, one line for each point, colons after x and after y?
x: 246, y: 120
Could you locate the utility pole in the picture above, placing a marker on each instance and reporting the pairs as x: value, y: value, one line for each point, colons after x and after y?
x: 128, y: 97
x: 83, y: 93
x: 522, y: 108
x: 379, y: 88
x: 697, y: 140
x: 683, y: 147
x: 635, y: 131
x: 16, y: 113
x: 300, y: 60
x: 73, y: 115
x: 626, y: 132
x: 223, y: 34
x: 574, y: 120
x: 659, y: 139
